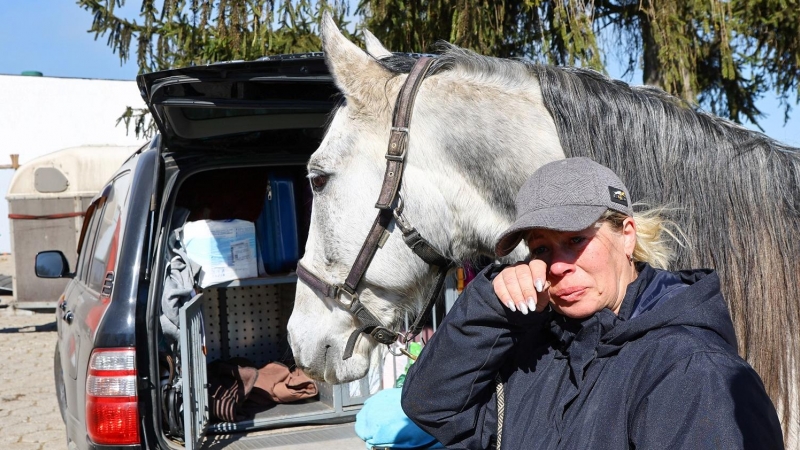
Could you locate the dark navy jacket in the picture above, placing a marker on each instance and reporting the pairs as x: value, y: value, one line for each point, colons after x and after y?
x: 664, y: 374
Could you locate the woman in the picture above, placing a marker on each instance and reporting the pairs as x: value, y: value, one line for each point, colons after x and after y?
x: 594, y: 347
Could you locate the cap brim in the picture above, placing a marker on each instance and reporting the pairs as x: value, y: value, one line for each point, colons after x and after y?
x: 559, y: 218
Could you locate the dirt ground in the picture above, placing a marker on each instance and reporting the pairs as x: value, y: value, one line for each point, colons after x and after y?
x: 29, y: 416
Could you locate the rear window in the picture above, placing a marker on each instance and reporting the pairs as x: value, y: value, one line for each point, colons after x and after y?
x: 288, y: 91
x: 225, y: 113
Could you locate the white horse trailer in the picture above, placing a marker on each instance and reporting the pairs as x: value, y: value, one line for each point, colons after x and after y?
x: 47, y: 199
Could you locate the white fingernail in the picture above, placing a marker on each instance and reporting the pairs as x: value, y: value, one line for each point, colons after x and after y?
x: 510, y: 305
x: 539, y: 284
x: 531, y: 304
x: 523, y: 308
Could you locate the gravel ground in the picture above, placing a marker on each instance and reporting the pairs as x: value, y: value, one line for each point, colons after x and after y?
x: 29, y: 417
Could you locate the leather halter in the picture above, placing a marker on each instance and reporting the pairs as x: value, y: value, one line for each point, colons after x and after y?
x: 390, y: 206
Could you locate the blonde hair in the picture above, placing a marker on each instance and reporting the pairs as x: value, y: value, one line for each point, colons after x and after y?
x: 655, y: 235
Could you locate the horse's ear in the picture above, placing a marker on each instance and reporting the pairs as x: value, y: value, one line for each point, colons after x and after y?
x: 358, y: 75
x: 374, y: 46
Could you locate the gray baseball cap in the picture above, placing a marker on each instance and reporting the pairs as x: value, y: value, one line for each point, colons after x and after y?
x: 565, y: 195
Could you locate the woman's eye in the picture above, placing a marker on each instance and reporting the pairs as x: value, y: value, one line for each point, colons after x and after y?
x: 577, y: 239
x: 536, y: 251
x: 318, y: 181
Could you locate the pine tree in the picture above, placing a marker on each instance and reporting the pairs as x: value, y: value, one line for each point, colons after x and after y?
x: 177, y: 33
x: 721, y: 54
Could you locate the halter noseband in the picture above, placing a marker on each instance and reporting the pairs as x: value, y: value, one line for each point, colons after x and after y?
x: 378, y: 234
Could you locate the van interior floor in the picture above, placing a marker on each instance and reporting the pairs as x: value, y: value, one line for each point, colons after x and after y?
x: 312, y: 437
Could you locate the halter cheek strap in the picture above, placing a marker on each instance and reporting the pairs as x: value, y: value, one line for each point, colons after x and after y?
x: 395, y: 164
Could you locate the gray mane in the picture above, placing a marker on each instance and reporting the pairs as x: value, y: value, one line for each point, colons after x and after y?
x: 450, y: 57
x: 736, y: 191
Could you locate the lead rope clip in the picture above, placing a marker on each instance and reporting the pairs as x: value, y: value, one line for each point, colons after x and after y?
x: 408, y: 353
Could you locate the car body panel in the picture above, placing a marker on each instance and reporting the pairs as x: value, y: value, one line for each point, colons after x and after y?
x: 99, y: 320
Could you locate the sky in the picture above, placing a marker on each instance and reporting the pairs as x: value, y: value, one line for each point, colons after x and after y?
x: 50, y: 36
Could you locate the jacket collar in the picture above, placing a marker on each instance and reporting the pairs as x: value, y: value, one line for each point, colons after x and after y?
x: 566, y: 330
x: 583, y: 340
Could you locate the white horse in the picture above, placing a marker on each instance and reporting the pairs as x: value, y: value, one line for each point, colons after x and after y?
x: 480, y: 127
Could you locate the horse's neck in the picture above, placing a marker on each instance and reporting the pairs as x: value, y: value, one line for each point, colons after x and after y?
x: 478, y: 221
x: 478, y: 141
x: 482, y: 200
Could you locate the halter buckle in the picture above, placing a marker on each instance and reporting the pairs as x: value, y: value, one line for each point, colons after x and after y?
x: 402, y: 156
x: 340, y: 289
x: 398, y: 158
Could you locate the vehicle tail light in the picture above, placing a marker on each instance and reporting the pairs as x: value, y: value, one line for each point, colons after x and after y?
x: 112, y: 411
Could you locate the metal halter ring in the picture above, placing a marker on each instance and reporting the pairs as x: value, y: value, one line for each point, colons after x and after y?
x: 406, y: 338
x: 403, y: 340
x: 392, y: 352
x: 397, y: 212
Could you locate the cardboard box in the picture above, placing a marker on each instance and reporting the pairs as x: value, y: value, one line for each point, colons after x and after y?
x: 225, y: 249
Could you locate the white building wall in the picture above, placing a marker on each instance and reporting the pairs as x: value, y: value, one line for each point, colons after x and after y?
x: 39, y: 115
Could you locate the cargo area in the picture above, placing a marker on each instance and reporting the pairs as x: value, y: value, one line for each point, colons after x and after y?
x: 234, y: 317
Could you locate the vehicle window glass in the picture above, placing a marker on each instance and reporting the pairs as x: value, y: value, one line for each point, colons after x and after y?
x: 106, y: 244
x: 88, y: 240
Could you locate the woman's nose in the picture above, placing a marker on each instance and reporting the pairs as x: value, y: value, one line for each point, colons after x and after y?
x: 561, y: 264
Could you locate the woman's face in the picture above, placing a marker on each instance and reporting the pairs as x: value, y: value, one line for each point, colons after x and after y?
x: 588, y: 270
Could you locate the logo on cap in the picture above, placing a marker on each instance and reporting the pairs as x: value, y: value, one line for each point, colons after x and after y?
x: 618, y: 196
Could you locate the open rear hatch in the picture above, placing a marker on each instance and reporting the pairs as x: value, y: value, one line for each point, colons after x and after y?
x: 270, y: 108
x: 241, y: 105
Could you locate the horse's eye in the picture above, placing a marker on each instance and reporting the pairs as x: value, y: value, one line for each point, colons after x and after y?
x: 318, y: 181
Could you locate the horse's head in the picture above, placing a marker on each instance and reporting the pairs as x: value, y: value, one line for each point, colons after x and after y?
x: 450, y: 191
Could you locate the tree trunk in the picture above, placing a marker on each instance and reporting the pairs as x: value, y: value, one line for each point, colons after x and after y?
x: 651, y: 70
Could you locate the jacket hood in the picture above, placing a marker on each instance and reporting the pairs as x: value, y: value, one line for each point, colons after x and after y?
x: 699, y: 305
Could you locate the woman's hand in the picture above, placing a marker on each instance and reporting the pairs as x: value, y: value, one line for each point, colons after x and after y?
x: 523, y: 286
